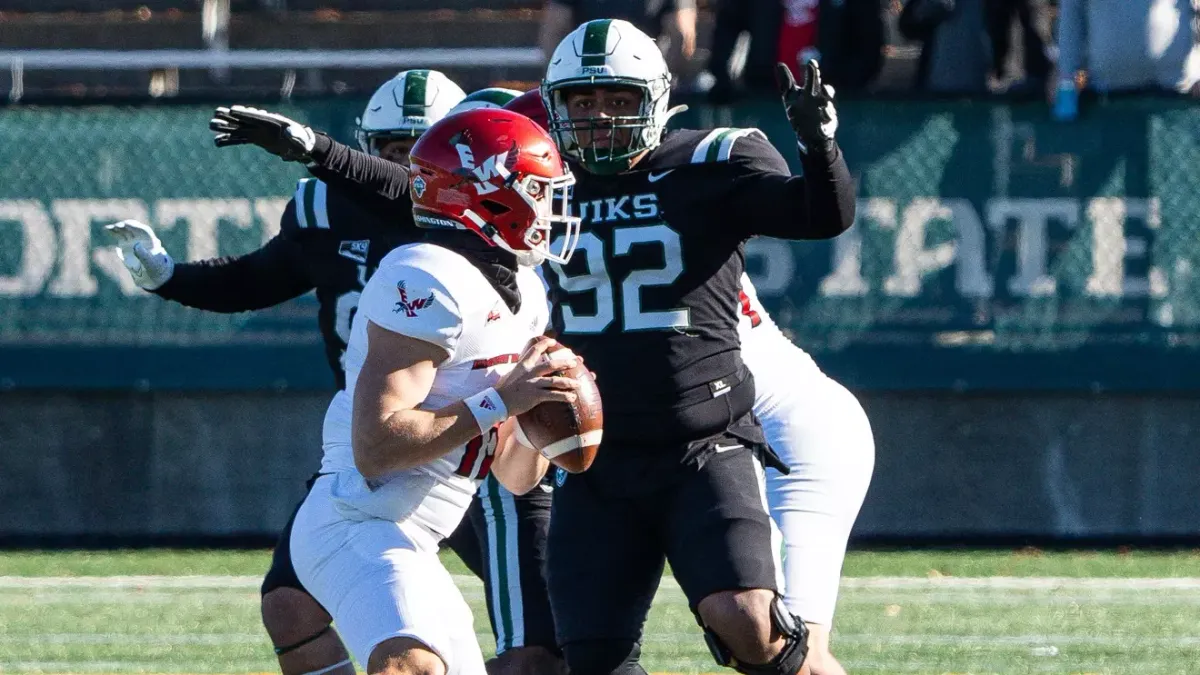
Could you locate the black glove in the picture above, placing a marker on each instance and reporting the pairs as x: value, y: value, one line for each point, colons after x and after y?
x: 810, y: 107
x: 278, y: 135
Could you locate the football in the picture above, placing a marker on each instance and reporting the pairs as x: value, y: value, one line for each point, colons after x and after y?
x: 568, y: 434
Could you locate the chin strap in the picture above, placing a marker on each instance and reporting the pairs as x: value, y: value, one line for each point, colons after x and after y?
x: 673, y: 112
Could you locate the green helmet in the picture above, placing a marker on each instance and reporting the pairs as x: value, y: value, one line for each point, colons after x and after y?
x: 492, y: 97
x: 405, y: 106
x: 608, y: 52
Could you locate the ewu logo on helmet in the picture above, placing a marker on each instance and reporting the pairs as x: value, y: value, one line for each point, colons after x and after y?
x: 496, y: 166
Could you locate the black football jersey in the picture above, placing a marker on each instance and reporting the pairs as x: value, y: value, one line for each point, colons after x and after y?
x: 650, y: 296
x: 340, y: 240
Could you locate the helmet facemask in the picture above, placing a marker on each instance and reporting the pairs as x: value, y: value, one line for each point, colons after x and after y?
x: 373, y: 142
x: 549, y: 200
x: 627, y: 135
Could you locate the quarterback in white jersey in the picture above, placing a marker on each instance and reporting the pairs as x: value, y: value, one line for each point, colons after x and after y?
x: 446, y: 346
x: 820, y: 431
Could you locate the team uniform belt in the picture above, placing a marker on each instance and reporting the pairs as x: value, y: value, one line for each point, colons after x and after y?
x: 715, y: 388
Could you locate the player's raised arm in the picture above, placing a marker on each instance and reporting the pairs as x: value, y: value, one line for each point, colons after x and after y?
x: 263, y: 278
x: 327, y: 159
x: 354, y: 169
x: 820, y: 203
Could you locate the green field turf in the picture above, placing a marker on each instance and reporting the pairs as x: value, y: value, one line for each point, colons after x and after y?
x: 906, y: 612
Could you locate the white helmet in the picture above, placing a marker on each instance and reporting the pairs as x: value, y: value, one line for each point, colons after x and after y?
x: 492, y: 97
x: 608, y: 52
x: 405, y: 106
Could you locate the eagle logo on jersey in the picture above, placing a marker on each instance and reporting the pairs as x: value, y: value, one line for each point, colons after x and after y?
x: 411, y: 307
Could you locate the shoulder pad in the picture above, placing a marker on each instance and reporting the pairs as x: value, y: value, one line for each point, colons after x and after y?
x: 413, y: 294
x: 718, y: 145
x: 694, y: 146
x: 318, y: 207
x: 312, y: 204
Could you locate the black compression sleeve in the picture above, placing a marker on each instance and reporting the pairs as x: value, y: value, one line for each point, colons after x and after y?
x: 339, y: 164
x: 831, y: 191
x: 264, y: 278
x: 818, y: 205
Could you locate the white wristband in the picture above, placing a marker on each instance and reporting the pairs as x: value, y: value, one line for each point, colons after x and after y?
x: 488, y: 408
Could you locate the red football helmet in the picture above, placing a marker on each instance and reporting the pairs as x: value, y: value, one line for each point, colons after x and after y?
x: 495, y: 173
x: 530, y: 104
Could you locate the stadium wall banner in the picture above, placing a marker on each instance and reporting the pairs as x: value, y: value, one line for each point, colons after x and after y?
x: 993, y: 249
x: 129, y: 468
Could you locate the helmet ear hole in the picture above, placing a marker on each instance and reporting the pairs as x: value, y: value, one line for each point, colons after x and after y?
x: 494, y: 207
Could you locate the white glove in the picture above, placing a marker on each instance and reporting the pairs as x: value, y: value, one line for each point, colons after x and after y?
x: 143, y: 254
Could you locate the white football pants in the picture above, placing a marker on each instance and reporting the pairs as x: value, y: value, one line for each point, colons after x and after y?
x: 381, y: 579
x: 820, y: 430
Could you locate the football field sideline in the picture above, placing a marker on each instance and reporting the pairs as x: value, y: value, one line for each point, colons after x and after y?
x: 169, y: 613
x: 467, y: 581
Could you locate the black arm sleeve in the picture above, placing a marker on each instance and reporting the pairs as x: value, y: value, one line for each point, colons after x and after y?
x: 340, y: 165
x: 264, y: 278
x: 770, y: 201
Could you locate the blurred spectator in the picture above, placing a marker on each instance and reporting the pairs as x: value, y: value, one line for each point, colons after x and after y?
x: 1125, y: 45
x: 1034, y: 60
x: 846, y: 36
x: 956, y: 49
x: 671, y: 22
x: 966, y: 45
x: 752, y: 62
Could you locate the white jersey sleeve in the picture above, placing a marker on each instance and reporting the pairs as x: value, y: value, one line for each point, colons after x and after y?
x: 774, y: 360
x: 546, y: 291
x: 410, y: 301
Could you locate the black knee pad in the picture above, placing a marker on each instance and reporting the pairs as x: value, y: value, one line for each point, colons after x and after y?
x: 786, y: 662
x: 604, y: 657
x: 280, y: 651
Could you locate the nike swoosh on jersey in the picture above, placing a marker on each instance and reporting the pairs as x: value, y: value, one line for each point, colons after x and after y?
x: 727, y: 448
x: 655, y: 177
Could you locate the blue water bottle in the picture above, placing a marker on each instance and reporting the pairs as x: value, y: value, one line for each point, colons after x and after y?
x: 1066, y: 101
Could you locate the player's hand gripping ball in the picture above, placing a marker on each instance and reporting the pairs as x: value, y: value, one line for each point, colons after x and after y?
x: 568, y: 434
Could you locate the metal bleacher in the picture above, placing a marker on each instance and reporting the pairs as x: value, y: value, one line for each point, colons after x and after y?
x: 259, y: 48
